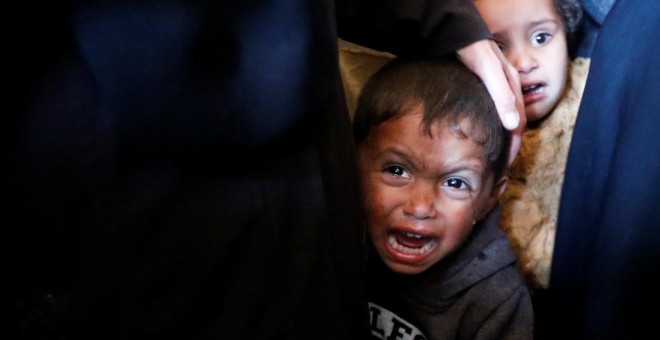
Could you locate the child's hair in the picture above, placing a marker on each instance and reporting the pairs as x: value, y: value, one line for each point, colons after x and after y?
x: 570, y: 12
x: 448, y: 92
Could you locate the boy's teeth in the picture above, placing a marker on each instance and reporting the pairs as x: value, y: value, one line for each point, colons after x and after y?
x: 406, y: 250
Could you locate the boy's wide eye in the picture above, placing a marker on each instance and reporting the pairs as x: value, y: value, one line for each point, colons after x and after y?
x: 541, y: 39
x: 456, y: 183
x: 398, y: 171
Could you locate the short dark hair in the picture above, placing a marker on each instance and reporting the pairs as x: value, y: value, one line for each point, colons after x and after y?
x: 570, y: 12
x: 448, y: 91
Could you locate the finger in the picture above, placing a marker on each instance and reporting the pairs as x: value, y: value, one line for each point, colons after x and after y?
x: 503, y: 83
x: 516, y: 143
x: 514, y: 84
x: 513, y: 79
x: 500, y: 78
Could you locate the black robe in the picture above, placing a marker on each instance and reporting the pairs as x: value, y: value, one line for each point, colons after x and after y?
x: 606, y: 265
x: 184, y: 169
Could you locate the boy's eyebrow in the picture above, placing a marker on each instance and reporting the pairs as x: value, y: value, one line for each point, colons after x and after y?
x: 479, y: 170
x: 396, y: 150
x: 404, y: 156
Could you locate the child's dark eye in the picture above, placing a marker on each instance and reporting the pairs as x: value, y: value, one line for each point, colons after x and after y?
x: 456, y: 183
x: 541, y: 38
x: 398, y: 171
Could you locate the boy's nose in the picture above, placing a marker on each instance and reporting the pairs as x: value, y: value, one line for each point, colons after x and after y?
x: 421, y: 204
x: 523, y: 60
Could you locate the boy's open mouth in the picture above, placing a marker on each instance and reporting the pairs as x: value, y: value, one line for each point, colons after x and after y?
x: 411, y: 243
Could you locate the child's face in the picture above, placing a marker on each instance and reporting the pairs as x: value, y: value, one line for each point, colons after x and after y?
x: 532, y: 37
x: 422, y: 195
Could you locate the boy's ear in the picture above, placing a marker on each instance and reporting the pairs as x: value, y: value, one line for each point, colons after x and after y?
x: 498, y: 188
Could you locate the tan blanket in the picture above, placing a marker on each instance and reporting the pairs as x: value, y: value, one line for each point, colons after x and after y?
x: 530, y: 203
x: 356, y: 64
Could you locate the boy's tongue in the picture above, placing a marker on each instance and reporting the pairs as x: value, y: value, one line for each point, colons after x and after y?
x: 411, y: 240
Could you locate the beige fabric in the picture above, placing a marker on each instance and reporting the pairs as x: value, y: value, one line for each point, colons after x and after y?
x: 530, y: 203
x: 356, y: 64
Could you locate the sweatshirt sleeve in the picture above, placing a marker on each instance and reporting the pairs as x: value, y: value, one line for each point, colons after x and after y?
x: 411, y: 27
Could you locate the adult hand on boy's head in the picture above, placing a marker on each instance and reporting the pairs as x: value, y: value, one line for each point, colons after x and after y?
x: 485, y: 59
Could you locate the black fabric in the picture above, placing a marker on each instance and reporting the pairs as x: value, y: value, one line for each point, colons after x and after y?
x: 171, y: 177
x: 182, y: 169
x: 607, y: 250
x: 412, y: 27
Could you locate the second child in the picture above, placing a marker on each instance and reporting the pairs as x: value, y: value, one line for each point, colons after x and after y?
x: 536, y: 36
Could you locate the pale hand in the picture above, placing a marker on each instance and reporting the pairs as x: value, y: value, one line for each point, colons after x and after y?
x: 486, y: 60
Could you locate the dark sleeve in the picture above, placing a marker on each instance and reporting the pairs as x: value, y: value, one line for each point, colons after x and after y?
x: 411, y: 27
